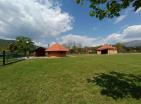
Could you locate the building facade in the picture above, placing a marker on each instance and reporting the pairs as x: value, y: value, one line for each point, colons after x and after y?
x: 57, y: 50
x: 107, y: 49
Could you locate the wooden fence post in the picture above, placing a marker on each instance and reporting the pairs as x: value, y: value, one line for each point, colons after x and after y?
x: 3, y: 57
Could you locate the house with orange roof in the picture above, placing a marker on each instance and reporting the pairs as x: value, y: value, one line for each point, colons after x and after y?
x: 107, y: 49
x: 56, y: 50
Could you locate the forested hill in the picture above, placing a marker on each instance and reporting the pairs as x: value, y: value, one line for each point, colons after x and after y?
x: 5, y: 43
x: 135, y: 43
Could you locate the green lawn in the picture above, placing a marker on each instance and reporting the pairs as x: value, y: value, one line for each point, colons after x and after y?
x: 87, y: 79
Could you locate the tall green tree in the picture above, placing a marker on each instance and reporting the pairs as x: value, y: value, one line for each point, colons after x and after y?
x: 24, y: 44
x: 109, y: 8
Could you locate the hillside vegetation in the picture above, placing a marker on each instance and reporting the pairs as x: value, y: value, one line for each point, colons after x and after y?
x: 5, y: 43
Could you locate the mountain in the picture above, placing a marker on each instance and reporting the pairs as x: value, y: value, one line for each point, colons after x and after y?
x: 5, y: 43
x: 135, y: 43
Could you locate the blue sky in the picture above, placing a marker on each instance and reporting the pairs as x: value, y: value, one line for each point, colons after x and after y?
x: 63, y: 21
x: 84, y: 24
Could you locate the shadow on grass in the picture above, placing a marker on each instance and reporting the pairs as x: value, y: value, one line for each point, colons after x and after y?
x: 118, y: 85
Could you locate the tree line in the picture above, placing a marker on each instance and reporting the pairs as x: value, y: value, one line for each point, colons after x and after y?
x: 26, y: 46
x: 77, y: 48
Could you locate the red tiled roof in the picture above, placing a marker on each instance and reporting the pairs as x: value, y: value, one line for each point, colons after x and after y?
x: 110, y: 47
x: 57, y: 47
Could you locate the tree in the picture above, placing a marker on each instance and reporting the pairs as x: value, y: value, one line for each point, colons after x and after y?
x: 12, y: 47
x: 109, y: 8
x: 120, y: 47
x: 24, y: 44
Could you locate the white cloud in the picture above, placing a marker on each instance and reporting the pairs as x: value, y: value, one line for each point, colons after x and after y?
x: 128, y: 34
x: 33, y: 18
x: 138, y: 10
x: 123, y: 27
x: 41, y: 44
x: 132, y: 32
x: 120, y: 18
x: 84, y: 40
x: 113, y: 38
x: 42, y: 19
x: 77, y: 39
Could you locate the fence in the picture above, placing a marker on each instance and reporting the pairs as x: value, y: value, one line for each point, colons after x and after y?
x: 7, y: 57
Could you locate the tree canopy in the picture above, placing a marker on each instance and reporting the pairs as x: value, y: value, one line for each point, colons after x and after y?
x: 24, y: 44
x: 12, y: 47
x: 109, y: 8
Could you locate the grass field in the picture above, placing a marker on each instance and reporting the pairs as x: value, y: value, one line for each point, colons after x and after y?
x: 88, y: 79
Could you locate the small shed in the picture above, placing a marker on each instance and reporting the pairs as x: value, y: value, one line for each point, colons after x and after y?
x: 40, y: 51
x: 57, y: 50
x: 107, y: 49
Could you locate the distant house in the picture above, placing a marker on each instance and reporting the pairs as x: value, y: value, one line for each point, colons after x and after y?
x: 106, y: 49
x: 56, y: 50
x: 40, y: 51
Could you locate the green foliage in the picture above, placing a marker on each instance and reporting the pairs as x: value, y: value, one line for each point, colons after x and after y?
x: 109, y: 8
x: 120, y: 47
x: 12, y: 47
x: 64, y: 80
x: 24, y: 44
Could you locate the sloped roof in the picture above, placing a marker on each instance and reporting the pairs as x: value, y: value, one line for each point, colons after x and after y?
x: 40, y: 48
x: 106, y: 46
x: 57, y: 47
